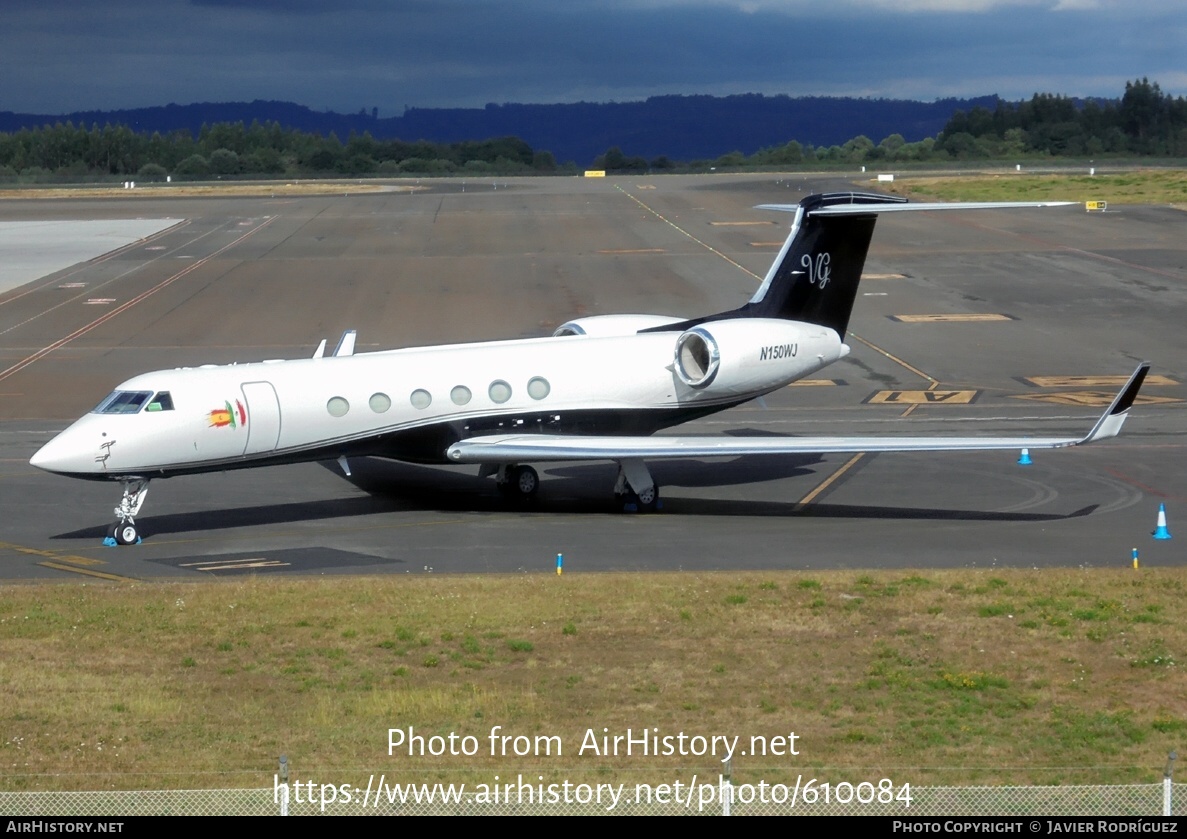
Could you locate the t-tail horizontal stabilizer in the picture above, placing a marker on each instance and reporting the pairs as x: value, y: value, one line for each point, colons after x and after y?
x: 889, y: 204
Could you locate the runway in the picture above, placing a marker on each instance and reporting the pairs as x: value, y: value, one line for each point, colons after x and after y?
x: 966, y: 323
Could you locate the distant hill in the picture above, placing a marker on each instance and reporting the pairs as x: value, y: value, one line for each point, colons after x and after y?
x: 680, y: 127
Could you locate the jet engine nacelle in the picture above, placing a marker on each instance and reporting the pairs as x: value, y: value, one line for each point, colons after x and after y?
x: 612, y: 326
x: 748, y: 355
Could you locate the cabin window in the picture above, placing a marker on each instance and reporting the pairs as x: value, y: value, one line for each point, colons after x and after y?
x: 538, y: 387
x: 460, y: 395
x: 380, y: 402
x: 499, y: 391
x: 161, y: 402
x: 421, y: 398
x: 337, y: 406
x: 123, y: 402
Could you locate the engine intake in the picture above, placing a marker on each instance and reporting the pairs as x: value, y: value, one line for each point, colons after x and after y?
x: 748, y: 356
x: 697, y: 357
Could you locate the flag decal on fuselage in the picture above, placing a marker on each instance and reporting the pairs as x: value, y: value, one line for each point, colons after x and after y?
x: 226, y: 416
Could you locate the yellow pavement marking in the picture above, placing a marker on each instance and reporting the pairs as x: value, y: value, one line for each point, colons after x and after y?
x: 633, y: 250
x: 740, y: 224
x: 766, y: 244
x: 979, y: 317
x: 811, y: 496
x: 1094, y: 381
x: 884, y: 276
x: 911, y: 408
x: 103, y: 575
x: 923, y: 397
x: 77, y: 560
x: 1093, y: 398
x: 816, y: 383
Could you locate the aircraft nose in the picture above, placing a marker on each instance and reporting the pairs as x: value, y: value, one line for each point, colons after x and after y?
x: 66, y: 454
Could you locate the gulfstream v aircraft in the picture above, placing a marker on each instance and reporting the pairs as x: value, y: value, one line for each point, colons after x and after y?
x: 596, y: 390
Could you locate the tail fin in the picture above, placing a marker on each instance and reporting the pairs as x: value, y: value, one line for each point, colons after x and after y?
x: 814, y: 278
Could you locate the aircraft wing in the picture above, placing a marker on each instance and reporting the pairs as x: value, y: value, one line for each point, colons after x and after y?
x: 522, y: 448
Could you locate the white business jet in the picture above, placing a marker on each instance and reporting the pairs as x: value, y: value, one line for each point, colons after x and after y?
x: 596, y: 390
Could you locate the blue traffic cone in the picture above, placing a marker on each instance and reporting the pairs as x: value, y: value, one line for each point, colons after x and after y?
x: 1160, y: 531
x: 1024, y: 460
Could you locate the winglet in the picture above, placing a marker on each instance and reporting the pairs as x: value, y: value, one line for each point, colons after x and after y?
x: 1111, y: 420
x: 321, y: 349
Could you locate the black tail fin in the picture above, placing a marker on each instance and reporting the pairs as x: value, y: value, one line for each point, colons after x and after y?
x: 814, y: 278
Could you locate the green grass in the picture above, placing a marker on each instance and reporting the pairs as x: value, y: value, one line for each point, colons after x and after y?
x: 931, y: 677
x: 1143, y: 186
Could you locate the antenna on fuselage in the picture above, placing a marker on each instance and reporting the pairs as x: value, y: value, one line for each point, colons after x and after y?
x: 346, y: 344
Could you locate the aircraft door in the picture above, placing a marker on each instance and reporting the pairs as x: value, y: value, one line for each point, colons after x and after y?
x: 263, y: 417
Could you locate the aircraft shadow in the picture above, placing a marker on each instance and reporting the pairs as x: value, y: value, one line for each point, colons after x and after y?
x: 393, y: 487
x: 248, y: 516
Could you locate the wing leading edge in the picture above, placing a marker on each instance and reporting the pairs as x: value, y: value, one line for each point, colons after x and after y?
x: 520, y: 448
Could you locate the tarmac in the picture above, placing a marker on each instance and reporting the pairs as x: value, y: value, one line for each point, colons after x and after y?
x: 996, y: 322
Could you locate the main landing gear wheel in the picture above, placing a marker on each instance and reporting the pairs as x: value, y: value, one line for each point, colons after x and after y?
x: 525, y: 481
x: 643, y: 502
x: 519, y: 482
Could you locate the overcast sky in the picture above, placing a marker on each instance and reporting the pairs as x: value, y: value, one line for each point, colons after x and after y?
x: 58, y: 56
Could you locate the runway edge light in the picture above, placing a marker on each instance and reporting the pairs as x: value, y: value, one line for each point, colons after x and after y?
x: 1160, y: 531
x: 560, y: 563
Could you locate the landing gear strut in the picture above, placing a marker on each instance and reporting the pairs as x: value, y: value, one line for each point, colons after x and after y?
x: 124, y: 531
x: 635, y: 490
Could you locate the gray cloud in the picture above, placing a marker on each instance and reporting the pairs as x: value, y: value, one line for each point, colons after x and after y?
x: 63, y: 55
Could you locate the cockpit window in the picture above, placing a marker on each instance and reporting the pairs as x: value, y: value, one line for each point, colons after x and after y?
x: 123, y: 402
x: 161, y: 402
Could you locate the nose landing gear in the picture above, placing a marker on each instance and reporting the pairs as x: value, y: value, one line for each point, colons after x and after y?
x: 124, y: 530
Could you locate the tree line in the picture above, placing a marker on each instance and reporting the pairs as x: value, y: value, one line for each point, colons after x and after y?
x: 1144, y: 121
x: 65, y: 151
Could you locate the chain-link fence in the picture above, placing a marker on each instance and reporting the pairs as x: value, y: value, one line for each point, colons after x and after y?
x: 1163, y: 798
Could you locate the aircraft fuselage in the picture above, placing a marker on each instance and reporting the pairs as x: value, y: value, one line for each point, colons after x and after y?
x: 412, y: 404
